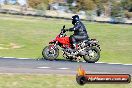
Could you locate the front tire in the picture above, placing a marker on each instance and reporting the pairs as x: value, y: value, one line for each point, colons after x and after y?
x: 92, y: 58
x: 50, y: 54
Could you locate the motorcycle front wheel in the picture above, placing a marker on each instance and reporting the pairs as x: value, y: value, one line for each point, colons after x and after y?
x: 50, y: 54
x: 93, y: 55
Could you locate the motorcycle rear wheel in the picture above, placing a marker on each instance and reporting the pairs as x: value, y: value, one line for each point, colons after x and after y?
x: 94, y: 59
x: 50, y: 54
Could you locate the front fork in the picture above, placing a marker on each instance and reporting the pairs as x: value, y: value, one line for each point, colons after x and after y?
x: 54, y: 46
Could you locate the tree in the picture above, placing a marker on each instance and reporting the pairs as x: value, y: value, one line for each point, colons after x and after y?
x: 99, y: 6
x: 85, y: 5
x: 127, y: 5
x: 116, y: 10
x: 36, y: 3
x: 104, y: 6
x: 70, y: 1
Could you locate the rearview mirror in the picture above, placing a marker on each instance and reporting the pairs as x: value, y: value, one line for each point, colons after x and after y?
x: 64, y: 27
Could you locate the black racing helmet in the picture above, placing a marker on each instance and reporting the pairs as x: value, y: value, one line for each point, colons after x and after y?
x: 75, y: 18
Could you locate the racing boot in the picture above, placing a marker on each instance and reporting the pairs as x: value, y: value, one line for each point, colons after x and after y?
x: 75, y: 46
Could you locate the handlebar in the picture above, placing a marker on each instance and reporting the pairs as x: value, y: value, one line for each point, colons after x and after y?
x: 63, y: 30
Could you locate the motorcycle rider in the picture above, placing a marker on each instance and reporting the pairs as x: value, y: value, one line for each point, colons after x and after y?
x: 80, y: 32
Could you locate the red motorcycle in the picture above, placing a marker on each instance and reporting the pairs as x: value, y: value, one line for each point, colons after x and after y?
x: 88, y: 49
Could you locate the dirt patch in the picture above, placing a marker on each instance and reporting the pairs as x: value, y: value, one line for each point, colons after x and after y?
x: 10, y: 46
x: 15, y: 46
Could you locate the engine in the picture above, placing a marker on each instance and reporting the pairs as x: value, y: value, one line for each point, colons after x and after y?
x: 73, y: 53
x: 69, y: 52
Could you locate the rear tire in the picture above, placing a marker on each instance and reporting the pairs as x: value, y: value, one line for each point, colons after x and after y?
x: 89, y: 59
x: 50, y: 54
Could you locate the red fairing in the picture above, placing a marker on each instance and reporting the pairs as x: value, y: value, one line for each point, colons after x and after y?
x: 63, y: 40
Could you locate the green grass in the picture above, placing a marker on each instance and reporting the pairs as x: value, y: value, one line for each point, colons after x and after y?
x: 49, y: 81
x: 32, y: 34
